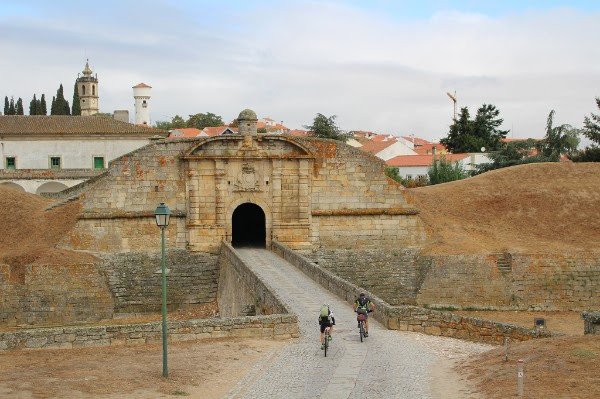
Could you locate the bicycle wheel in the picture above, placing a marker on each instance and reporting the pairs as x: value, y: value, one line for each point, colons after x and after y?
x: 326, y: 342
x: 361, y: 330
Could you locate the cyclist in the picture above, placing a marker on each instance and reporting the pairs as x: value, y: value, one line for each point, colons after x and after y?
x: 326, y: 319
x: 363, y: 305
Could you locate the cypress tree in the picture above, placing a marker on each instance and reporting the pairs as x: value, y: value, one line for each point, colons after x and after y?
x: 66, y: 108
x: 20, y: 106
x: 11, y: 107
x: 53, y: 106
x: 33, y: 106
x: 42, y: 109
x: 61, y: 106
x: 76, y: 103
x: 6, y: 106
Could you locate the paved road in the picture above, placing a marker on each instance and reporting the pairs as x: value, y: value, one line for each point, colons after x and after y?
x: 389, y: 364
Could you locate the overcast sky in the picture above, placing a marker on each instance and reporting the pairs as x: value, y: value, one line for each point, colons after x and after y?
x: 382, y: 65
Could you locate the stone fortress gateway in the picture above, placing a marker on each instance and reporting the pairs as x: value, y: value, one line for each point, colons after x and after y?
x: 246, y: 188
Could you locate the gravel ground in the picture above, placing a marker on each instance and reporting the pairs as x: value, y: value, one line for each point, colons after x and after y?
x: 389, y: 364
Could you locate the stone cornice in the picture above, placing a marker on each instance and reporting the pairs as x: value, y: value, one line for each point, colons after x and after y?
x: 365, y: 212
x: 119, y: 214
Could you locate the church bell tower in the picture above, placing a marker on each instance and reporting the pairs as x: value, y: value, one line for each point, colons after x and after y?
x: 87, y: 86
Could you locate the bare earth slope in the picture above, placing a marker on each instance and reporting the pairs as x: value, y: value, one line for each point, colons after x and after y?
x: 563, y: 367
x: 545, y: 207
x: 30, y: 234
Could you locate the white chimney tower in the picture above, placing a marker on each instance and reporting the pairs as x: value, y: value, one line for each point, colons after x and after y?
x: 141, y: 93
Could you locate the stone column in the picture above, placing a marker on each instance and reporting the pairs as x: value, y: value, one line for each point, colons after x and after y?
x: 304, y: 191
x: 220, y: 192
x: 276, y: 192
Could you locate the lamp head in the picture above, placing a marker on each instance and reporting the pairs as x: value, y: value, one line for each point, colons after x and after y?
x: 162, y: 214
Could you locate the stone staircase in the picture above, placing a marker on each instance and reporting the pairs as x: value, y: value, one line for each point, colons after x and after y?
x: 504, y: 262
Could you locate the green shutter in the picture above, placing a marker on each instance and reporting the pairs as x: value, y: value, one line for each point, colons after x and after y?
x: 98, y: 162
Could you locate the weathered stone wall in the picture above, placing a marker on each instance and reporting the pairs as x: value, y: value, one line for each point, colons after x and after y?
x: 382, y: 232
x: 265, y: 327
x: 530, y: 281
x: 411, y: 318
x: 118, y: 206
x: 390, y: 274
x: 51, y: 294
x: 135, y: 280
x: 241, y: 292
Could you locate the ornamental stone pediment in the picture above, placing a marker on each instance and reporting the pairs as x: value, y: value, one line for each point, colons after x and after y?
x: 237, y: 146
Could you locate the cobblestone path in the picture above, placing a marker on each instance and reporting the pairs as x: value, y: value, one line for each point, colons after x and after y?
x: 389, y: 364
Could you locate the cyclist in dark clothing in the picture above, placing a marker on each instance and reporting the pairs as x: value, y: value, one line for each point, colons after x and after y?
x: 326, y: 319
x: 363, y: 305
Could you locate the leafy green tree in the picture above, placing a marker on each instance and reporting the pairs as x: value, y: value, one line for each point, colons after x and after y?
x: 42, y: 109
x: 442, y: 171
x: 326, y: 128
x: 470, y: 135
x: 393, y: 173
x: 76, y: 108
x: 200, y: 121
x: 6, y: 106
x: 510, y: 154
x: 177, y: 122
x: 591, y: 126
x: 53, y: 106
x: 562, y: 139
x: 591, y: 130
x: 33, y: 106
x: 261, y: 130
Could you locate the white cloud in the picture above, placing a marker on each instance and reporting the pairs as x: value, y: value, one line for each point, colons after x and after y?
x: 294, y: 60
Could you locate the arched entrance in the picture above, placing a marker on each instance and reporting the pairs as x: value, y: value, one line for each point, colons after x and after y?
x: 248, y: 226
x: 51, y: 187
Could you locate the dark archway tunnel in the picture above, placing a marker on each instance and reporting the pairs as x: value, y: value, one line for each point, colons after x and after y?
x: 248, y: 226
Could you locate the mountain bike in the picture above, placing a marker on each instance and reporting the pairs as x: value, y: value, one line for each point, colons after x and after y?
x: 361, y: 325
x: 327, y: 335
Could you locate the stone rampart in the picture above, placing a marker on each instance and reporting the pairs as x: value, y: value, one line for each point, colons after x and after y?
x: 135, y: 280
x: 411, y: 318
x: 275, y: 326
x: 511, y: 281
x: 53, y: 294
x: 390, y: 274
x: 241, y: 292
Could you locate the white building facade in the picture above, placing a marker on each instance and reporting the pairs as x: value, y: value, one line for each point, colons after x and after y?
x: 41, y: 154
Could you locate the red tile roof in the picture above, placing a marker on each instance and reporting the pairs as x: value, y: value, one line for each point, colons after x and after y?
x: 422, y: 160
x: 417, y: 141
x: 426, y: 149
x: 185, y: 132
x: 141, y: 86
x: 217, y: 130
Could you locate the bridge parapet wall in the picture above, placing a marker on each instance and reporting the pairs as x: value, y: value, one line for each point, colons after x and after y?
x: 412, y: 318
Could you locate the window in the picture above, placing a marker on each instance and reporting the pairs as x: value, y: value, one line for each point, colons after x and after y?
x: 98, y: 162
x: 409, y: 177
x: 83, y: 90
x: 54, y: 162
x: 93, y: 90
x: 11, y: 163
x: 144, y: 104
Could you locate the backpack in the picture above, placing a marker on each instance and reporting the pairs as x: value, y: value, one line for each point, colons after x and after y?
x: 324, y: 312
